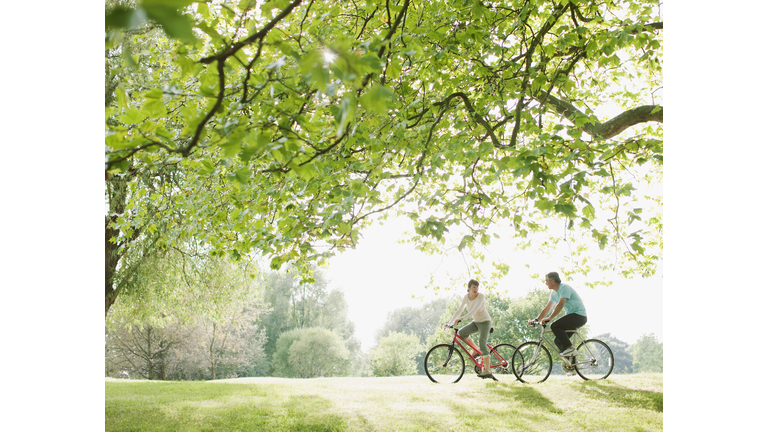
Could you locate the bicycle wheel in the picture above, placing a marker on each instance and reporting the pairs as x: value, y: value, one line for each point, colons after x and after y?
x: 531, y: 362
x: 501, y: 364
x: 444, y: 364
x: 594, y: 360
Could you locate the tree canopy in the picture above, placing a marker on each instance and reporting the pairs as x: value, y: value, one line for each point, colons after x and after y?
x: 283, y: 127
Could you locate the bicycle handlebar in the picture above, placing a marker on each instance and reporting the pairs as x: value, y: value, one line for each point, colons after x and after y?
x: 536, y: 322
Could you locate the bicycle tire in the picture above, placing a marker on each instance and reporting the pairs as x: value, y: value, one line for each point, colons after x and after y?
x: 444, y: 364
x: 501, y: 371
x: 594, y: 360
x: 530, y: 366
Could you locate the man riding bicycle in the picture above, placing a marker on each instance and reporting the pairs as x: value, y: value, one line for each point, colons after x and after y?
x: 563, y: 296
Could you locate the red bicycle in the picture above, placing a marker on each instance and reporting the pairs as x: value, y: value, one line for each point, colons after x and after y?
x: 444, y: 363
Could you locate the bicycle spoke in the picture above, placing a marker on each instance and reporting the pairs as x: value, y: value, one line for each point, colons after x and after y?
x: 444, y: 364
x: 594, y: 360
x: 531, y: 363
x: 501, y: 362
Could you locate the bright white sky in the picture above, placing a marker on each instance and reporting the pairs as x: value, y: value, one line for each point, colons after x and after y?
x: 382, y: 275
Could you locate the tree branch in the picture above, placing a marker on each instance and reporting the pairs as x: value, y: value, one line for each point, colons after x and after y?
x: 231, y: 50
x: 612, y: 127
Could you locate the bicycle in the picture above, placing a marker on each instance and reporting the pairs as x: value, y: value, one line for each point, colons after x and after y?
x: 532, y: 363
x: 444, y: 363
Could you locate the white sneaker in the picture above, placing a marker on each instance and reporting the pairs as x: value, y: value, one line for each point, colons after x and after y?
x: 570, y: 352
x: 571, y: 373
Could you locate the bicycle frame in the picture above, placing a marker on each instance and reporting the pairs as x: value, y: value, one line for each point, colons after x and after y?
x: 555, y: 349
x: 491, y: 352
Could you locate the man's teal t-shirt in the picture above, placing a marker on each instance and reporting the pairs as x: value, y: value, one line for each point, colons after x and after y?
x: 573, y: 304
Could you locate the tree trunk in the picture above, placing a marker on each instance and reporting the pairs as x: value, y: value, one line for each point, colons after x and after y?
x: 111, y: 258
x: 150, y: 366
x: 117, y: 192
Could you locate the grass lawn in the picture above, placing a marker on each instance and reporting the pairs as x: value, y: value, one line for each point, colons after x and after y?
x: 620, y: 403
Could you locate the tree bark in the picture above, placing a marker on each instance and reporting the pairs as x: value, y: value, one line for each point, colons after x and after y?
x: 610, y: 128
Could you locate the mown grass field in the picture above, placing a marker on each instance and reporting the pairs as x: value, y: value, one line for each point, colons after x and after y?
x: 620, y: 403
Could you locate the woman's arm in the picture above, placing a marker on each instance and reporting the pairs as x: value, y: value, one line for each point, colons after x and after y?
x: 463, y: 304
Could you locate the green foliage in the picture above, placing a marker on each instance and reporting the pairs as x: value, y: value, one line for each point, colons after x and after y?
x: 182, y: 345
x: 420, y: 322
x: 397, y: 354
x: 294, y: 304
x: 622, y: 359
x: 648, y: 354
x: 511, y: 322
x: 282, y: 129
x: 310, y: 352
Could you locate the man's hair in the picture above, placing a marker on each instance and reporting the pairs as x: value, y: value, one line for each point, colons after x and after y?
x: 553, y: 276
x: 472, y: 282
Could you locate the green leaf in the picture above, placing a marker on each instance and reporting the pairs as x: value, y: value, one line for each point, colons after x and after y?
x: 124, y: 18
x: 209, y: 30
x: 202, y: 9
x: 174, y: 24
x: 246, y: 4
x: 175, y: 4
x: 231, y: 148
x: 132, y: 116
x: 153, y: 108
x: 377, y: 98
x: 306, y: 172
x: 121, y: 98
x: 207, y: 167
x: 155, y: 93
x: 394, y: 68
x: 566, y: 209
x: 544, y: 205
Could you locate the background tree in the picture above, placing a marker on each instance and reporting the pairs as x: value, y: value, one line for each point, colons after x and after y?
x: 648, y: 354
x: 228, y: 344
x: 185, y: 316
x: 512, y: 323
x: 295, y: 304
x: 310, y: 352
x: 142, y: 351
x: 420, y: 322
x: 291, y: 124
x: 397, y: 354
x: 622, y: 359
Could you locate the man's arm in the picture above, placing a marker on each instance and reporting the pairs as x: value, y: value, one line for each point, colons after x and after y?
x: 544, y: 311
x: 557, y: 310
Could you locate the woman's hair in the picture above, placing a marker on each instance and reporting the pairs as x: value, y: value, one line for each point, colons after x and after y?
x: 553, y: 276
x: 472, y: 282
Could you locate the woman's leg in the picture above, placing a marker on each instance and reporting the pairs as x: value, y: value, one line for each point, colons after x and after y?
x: 484, y: 328
x: 467, y: 330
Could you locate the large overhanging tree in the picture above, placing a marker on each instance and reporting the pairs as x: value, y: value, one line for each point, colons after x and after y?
x: 283, y: 127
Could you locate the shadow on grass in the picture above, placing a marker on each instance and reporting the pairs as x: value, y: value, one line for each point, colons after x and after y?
x: 526, y: 395
x: 231, y: 408
x: 615, y: 393
x: 531, y: 408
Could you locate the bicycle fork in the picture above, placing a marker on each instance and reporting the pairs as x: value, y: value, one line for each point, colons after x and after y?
x: 450, y: 354
x: 535, y: 355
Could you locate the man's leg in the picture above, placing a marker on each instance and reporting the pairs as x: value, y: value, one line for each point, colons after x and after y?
x: 559, y: 327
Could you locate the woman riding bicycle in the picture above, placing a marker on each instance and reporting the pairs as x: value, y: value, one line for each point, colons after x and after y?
x: 474, y: 302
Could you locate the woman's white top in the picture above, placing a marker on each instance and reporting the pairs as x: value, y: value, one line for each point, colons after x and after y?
x: 475, y: 309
